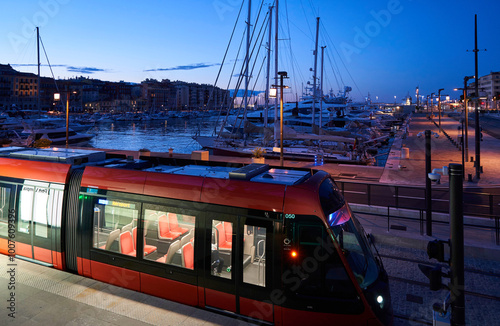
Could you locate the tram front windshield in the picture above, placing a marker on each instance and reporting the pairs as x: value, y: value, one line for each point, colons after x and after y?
x: 349, y: 234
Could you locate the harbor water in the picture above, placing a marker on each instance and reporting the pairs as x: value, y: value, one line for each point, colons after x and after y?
x: 161, y: 135
x: 155, y: 135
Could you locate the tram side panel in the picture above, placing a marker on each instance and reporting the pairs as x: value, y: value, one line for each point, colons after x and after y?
x: 31, y: 209
x: 121, y: 240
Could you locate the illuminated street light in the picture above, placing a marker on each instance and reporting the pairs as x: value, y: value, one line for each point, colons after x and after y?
x: 57, y: 97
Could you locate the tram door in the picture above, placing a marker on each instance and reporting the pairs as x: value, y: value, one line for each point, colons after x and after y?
x: 220, y: 270
x: 238, y: 274
x: 38, y: 219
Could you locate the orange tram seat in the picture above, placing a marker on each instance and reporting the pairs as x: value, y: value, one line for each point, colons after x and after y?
x: 127, y: 244
x: 148, y: 249
x: 168, y: 227
x: 172, y: 249
x: 188, y: 256
x: 225, y: 238
x: 173, y: 224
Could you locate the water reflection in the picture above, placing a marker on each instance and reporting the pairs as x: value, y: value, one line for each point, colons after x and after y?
x: 157, y: 136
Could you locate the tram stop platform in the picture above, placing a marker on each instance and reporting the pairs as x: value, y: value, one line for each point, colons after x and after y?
x: 46, y: 296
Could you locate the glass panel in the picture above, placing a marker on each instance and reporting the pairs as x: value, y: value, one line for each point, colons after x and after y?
x: 222, y: 248
x: 169, y: 237
x: 4, y: 210
x: 25, y: 208
x: 40, y: 211
x: 115, y: 226
x: 254, y: 255
x: 55, y: 205
x: 357, y: 252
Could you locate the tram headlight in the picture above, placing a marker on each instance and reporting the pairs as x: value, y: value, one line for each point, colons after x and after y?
x: 380, y: 300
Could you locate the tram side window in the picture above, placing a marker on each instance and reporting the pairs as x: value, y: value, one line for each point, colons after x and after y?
x: 254, y: 255
x: 40, y: 206
x: 315, y: 266
x: 4, y: 210
x: 114, y: 223
x: 169, y: 237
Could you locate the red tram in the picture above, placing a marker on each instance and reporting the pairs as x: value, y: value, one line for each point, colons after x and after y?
x: 276, y: 245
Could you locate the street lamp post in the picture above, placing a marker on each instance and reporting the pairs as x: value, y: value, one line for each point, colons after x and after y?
x: 57, y: 97
x: 272, y: 93
x: 432, y: 103
x: 67, y: 118
x: 466, y: 79
x: 439, y: 107
x: 477, y: 162
x: 282, y: 74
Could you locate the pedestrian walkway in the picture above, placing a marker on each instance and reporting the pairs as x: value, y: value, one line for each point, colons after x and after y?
x: 410, y: 169
x: 46, y: 296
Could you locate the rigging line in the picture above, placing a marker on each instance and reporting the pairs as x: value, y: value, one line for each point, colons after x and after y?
x: 227, y: 89
x: 252, y: 91
x: 47, y: 57
x: 332, y: 65
x: 307, y: 20
x: 313, y: 9
x: 260, y: 35
x: 225, y: 54
x: 348, y: 72
x: 248, y: 56
x: 25, y: 49
x: 239, y: 81
x: 300, y: 30
x: 253, y: 31
x: 290, y: 45
x: 262, y: 28
x: 335, y: 65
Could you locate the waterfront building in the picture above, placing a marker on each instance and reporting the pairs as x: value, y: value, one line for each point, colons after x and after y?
x: 18, y: 88
x: 93, y: 95
x: 489, y: 90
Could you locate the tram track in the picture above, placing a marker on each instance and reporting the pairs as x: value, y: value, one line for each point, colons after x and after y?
x: 413, y: 320
x: 425, y: 284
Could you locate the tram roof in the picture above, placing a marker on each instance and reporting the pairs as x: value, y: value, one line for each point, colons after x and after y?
x: 253, y: 172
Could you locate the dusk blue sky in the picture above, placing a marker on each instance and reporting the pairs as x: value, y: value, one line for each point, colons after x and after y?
x: 388, y: 47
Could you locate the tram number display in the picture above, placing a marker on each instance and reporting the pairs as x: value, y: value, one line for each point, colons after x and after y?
x: 289, y: 216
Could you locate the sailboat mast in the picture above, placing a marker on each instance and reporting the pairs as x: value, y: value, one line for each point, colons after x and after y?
x: 38, y: 79
x: 321, y: 90
x: 266, y: 106
x: 315, y: 74
x: 276, y: 73
x: 247, y: 59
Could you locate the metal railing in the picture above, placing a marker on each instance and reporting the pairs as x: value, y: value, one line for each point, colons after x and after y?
x: 476, y: 204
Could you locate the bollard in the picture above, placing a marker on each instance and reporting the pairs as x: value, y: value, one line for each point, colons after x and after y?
x: 457, y: 288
